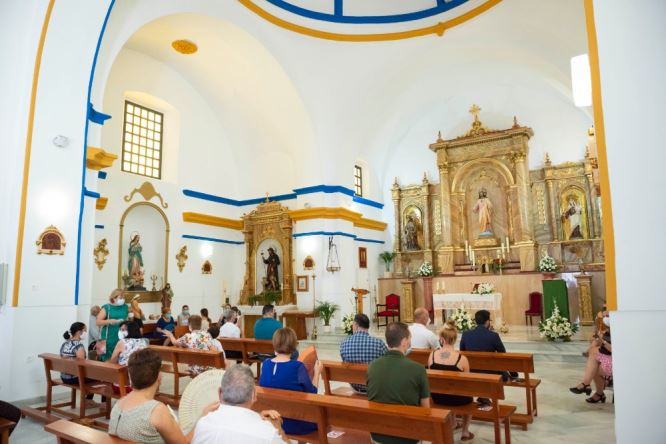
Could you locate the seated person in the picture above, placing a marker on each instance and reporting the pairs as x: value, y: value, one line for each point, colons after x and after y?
x: 196, y: 339
x: 447, y: 358
x: 184, y: 316
x: 284, y: 373
x: 422, y: 337
x: 265, y: 327
x: 233, y: 420
x: 135, y: 313
x: 11, y: 413
x: 129, y: 341
x: 205, y: 320
x: 73, y: 348
x: 214, y: 332
x: 229, y: 329
x: 599, y: 368
x: 138, y: 416
x: 360, y: 347
x: 165, y: 324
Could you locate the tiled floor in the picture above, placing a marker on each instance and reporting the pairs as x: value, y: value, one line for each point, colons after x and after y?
x: 563, y: 416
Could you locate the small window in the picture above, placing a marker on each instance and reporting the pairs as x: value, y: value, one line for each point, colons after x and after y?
x: 358, y: 180
x: 142, y: 141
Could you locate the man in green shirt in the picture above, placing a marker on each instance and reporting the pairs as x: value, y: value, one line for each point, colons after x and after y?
x: 394, y: 379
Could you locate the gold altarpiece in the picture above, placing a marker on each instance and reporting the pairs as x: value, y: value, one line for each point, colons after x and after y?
x: 270, y: 221
x: 434, y: 222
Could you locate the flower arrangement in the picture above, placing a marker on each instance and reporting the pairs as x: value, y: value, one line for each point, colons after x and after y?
x: 347, y: 321
x: 557, y: 327
x: 462, y: 319
x: 326, y: 310
x: 484, y: 288
x: 547, y: 264
x: 425, y: 269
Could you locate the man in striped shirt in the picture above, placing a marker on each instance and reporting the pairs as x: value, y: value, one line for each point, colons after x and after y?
x: 360, y: 347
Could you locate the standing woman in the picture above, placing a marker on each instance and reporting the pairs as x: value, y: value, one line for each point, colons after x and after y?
x: 109, y: 319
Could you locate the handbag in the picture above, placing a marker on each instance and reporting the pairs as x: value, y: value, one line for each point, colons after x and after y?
x: 100, y: 345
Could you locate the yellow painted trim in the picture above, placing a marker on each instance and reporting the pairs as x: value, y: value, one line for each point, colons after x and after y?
x: 215, y: 221
x: 437, y: 29
x: 101, y: 203
x: 325, y: 213
x: 371, y: 224
x: 97, y: 158
x: 597, y: 106
x: 28, y: 151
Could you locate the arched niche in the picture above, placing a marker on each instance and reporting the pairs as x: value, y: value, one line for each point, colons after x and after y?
x: 261, y: 267
x: 573, y: 196
x: 152, y: 225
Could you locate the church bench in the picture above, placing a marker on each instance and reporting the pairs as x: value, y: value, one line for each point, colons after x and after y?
x: 356, y: 417
x: 71, y: 433
x: 173, y: 356
x: 5, y: 426
x: 104, y: 375
x: 444, y: 382
x: 507, y: 362
x: 249, y: 347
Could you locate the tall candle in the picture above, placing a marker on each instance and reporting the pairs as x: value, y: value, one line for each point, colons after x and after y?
x: 508, y: 248
x: 467, y: 248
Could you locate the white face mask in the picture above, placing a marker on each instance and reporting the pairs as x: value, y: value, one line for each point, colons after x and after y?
x: 606, y: 322
x: 84, y: 335
x: 120, y: 301
x: 122, y: 334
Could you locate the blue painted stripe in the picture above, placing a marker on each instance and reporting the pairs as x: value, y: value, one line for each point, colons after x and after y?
x: 368, y: 202
x: 99, y: 227
x: 89, y: 193
x: 336, y: 17
x: 325, y: 233
x: 85, y: 149
x: 96, y: 116
x: 102, y: 175
x: 212, y: 239
x: 329, y: 189
x: 374, y: 241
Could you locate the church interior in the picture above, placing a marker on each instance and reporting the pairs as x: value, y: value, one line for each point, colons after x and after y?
x: 336, y: 158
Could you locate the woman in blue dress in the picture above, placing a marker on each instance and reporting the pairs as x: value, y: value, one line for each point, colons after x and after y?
x: 284, y: 373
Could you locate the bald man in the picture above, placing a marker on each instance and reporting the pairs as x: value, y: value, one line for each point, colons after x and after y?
x: 422, y: 337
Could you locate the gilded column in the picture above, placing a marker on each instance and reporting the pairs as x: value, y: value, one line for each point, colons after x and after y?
x: 425, y: 192
x: 397, y: 246
x: 592, y: 196
x: 522, y: 180
x: 445, y: 200
x: 584, y: 282
x: 552, y: 200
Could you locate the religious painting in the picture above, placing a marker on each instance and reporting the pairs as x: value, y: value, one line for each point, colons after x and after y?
x: 207, y: 268
x: 573, y: 214
x: 412, y: 228
x: 51, y: 241
x: 302, y: 283
x: 308, y: 263
x: 362, y: 257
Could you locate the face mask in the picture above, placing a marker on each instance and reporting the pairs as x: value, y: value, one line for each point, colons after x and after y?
x: 186, y: 312
x: 428, y: 322
x: 606, y: 322
x: 122, y: 334
x: 168, y: 315
x: 83, y: 335
x: 120, y: 301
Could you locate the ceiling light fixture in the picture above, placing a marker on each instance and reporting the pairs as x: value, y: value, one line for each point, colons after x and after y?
x: 184, y: 46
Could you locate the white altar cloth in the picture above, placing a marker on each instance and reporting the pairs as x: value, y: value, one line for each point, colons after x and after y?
x: 471, y: 302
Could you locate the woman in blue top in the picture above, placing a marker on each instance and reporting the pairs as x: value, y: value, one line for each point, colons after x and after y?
x: 283, y: 373
x: 165, y: 324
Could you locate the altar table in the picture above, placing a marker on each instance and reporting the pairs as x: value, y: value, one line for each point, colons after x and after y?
x: 471, y: 302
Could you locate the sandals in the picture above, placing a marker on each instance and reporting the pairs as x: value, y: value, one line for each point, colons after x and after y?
x: 586, y: 389
x: 597, y: 397
x: 468, y: 438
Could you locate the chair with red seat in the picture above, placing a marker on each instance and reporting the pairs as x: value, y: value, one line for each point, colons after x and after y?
x: 391, y: 310
x: 536, y: 307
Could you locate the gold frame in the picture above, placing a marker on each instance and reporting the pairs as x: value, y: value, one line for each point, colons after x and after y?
x: 208, y: 265
x: 305, y: 287
x: 51, y: 229
x: 565, y: 226
x: 120, y: 240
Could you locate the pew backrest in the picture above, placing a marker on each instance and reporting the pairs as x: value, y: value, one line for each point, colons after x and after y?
x: 180, y: 355
x: 507, y: 362
x: 71, y: 432
x: 85, y: 368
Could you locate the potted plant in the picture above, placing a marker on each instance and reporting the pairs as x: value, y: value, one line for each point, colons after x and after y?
x: 547, y: 266
x: 557, y: 328
x: 273, y: 297
x: 387, y: 257
x: 256, y: 299
x: 325, y: 310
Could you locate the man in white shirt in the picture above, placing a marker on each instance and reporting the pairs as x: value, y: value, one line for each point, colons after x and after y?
x: 233, y: 420
x: 422, y: 337
x: 229, y: 329
x: 93, y: 329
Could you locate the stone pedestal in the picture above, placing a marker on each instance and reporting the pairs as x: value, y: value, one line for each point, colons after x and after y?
x: 407, y: 301
x: 527, y: 254
x: 445, y: 260
x: 584, y: 282
x: 427, y: 296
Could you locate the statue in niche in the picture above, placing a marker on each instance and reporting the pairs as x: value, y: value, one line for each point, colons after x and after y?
x: 167, y: 296
x: 484, y: 208
x: 574, y: 213
x: 135, y: 263
x: 411, y: 234
x: 272, y: 282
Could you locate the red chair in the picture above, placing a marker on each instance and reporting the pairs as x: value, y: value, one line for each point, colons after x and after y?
x: 391, y: 309
x: 536, y: 307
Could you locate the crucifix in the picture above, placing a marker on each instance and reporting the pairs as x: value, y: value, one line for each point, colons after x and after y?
x: 475, y: 110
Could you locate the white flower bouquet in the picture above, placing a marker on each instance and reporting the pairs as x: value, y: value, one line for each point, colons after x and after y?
x: 484, y: 288
x: 557, y: 327
x: 425, y: 269
x: 462, y: 320
x: 547, y: 264
x: 347, y: 322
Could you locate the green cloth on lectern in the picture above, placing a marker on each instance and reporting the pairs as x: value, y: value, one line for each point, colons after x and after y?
x: 555, y: 290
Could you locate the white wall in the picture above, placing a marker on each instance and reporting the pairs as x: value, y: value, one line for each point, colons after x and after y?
x: 632, y: 44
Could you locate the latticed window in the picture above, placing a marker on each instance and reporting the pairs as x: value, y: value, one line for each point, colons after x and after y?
x: 142, y: 141
x: 358, y: 180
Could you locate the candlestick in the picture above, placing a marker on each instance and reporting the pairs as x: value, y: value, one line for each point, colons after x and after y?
x: 508, y: 248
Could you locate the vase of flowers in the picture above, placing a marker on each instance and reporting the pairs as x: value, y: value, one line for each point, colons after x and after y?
x: 325, y: 310
x: 462, y: 319
x: 484, y: 288
x: 347, y: 322
x: 547, y: 266
x: 556, y: 327
x: 425, y: 270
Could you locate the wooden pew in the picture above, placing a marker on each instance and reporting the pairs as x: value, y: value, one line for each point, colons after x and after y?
x: 249, y: 347
x: 356, y: 417
x: 5, y: 426
x: 172, y: 356
x: 72, y: 433
x: 452, y: 383
x: 509, y: 362
x: 105, y: 374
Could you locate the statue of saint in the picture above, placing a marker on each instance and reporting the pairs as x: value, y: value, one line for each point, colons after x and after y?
x: 272, y: 262
x: 484, y: 208
x: 574, y: 213
x: 135, y: 263
x: 411, y: 234
x: 167, y: 295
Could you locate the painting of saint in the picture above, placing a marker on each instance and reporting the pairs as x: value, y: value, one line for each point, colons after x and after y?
x: 574, y: 214
x: 412, y: 229
x: 272, y: 277
x: 484, y: 208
